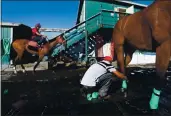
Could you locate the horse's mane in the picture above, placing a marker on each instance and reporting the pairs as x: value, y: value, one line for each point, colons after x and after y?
x: 22, y: 32
x: 53, y: 39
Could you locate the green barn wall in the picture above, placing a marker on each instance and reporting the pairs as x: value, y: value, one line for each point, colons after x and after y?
x: 92, y: 7
x: 6, y: 37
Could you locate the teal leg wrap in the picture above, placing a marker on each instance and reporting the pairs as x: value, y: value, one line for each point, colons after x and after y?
x: 95, y: 95
x: 89, y: 97
x: 124, y: 84
x: 154, y: 99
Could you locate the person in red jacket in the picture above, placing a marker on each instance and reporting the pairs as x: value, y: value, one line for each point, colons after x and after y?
x: 39, y: 38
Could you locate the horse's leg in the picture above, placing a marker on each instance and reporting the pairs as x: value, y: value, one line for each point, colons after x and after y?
x: 128, y: 57
x: 121, y: 65
x: 21, y: 61
x: 14, y: 68
x: 163, y: 53
x: 119, y: 41
x: 38, y: 61
x: 128, y: 54
x: 23, y: 68
x: 20, y: 56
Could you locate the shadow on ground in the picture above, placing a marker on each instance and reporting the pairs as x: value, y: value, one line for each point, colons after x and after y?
x: 57, y: 93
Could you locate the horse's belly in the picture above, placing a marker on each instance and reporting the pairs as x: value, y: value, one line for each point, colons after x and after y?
x: 139, y: 43
x: 139, y: 35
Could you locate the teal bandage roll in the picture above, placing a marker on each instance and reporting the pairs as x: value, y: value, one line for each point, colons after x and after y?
x: 95, y: 95
x: 89, y: 97
x: 124, y: 84
x: 6, y: 91
x: 155, y: 99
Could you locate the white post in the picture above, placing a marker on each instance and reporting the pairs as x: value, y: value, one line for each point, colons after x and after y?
x: 11, y: 35
x: 11, y: 40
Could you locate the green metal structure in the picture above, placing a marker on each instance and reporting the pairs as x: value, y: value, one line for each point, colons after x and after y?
x: 95, y: 16
x: 6, y: 37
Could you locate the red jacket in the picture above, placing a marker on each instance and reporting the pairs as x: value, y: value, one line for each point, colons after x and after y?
x: 34, y: 30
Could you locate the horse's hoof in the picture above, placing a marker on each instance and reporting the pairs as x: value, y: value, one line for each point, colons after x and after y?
x: 34, y: 73
x: 53, y: 72
x: 125, y: 94
x: 15, y: 72
x: 26, y: 73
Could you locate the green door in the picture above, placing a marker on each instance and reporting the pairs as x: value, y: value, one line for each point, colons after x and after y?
x: 5, y: 44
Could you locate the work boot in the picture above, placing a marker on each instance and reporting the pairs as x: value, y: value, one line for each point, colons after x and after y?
x: 107, y: 97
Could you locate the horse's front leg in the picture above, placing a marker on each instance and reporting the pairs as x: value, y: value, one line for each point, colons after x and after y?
x: 14, y: 69
x: 119, y: 41
x: 37, y: 63
x: 121, y: 64
x: 128, y: 50
x: 163, y: 53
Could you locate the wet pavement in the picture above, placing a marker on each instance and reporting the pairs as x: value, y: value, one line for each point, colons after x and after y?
x: 50, y: 93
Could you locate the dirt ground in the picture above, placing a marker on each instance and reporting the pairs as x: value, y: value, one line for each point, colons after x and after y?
x: 57, y: 92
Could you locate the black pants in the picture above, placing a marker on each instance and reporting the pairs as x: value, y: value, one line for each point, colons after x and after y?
x: 103, y: 85
x: 39, y: 40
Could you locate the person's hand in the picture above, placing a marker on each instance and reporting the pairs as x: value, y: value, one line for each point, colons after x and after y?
x: 126, y: 78
x: 44, y: 36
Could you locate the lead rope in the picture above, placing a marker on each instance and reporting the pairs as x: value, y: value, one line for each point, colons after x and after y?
x: 138, y: 109
x: 121, y: 109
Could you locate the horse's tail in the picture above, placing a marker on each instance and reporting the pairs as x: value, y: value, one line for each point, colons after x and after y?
x: 13, y: 53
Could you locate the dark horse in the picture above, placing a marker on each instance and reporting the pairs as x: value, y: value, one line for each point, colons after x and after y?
x: 23, y: 43
x: 150, y: 30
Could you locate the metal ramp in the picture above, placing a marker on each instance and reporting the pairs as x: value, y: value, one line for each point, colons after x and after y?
x: 79, y: 36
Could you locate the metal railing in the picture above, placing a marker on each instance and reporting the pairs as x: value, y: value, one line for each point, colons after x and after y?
x: 71, y: 33
x: 111, y: 11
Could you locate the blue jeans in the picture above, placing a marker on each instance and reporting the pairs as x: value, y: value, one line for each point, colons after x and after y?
x: 102, y: 86
x: 39, y: 40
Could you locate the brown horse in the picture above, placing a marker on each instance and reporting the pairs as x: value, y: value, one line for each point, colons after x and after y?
x: 20, y: 45
x: 149, y: 30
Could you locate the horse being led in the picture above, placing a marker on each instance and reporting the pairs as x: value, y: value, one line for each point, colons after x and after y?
x: 20, y: 45
x: 150, y: 30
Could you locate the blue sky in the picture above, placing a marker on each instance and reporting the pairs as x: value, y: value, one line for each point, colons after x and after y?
x: 52, y: 14
x: 61, y: 14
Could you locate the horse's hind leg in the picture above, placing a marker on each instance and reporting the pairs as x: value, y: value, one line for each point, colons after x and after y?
x: 163, y: 53
x: 128, y: 54
x: 20, y: 55
x: 23, y: 68
x: 14, y: 63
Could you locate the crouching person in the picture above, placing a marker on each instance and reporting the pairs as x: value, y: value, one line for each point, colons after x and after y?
x: 99, y: 78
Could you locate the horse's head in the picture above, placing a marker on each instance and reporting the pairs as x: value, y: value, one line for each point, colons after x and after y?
x: 61, y: 40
